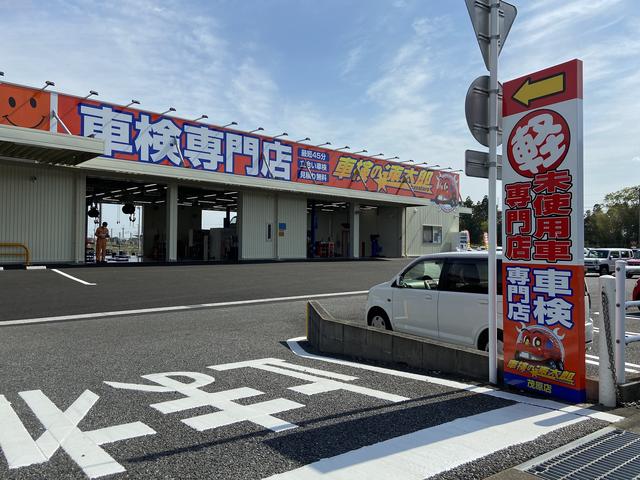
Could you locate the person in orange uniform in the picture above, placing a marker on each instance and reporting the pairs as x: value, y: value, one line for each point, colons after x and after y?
x: 102, y: 233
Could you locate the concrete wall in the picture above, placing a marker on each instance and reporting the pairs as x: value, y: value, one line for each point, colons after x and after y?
x: 416, y: 217
x: 43, y: 208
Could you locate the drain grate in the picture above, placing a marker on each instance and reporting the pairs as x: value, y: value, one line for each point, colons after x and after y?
x: 615, y: 455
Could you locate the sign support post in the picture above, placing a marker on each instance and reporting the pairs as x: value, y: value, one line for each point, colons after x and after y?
x: 493, y: 180
x: 491, y: 20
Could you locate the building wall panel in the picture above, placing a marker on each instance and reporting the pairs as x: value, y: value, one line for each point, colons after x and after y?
x: 416, y: 217
x: 292, y: 211
x: 38, y: 208
x: 257, y: 210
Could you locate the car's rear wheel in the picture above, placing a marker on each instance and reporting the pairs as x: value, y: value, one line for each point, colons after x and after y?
x: 604, y: 270
x: 378, y: 319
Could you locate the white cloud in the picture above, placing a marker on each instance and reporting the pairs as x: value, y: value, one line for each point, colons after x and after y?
x: 354, y: 56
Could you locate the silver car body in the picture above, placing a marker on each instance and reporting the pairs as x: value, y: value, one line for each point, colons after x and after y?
x: 454, y: 317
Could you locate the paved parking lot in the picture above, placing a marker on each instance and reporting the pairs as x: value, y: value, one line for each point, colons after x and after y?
x: 225, y: 391
x: 259, y: 409
x: 45, y: 293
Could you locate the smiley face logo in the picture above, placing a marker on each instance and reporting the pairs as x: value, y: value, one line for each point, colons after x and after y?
x: 24, y: 107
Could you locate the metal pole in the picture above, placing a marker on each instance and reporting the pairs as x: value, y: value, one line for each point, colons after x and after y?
x: 606, y: 382
x: 139, y: 225
x: 493, y: 147
x: 621, y: 311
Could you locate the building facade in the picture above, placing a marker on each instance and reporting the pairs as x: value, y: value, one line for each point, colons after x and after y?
x: 62, y: 157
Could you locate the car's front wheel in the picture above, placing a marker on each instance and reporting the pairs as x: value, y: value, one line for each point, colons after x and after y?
x: 604, y: 270
x: 378, y: 318
x: 483, y: 342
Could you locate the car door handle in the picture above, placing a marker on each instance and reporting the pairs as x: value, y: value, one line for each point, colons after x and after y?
x: 428, y: 297
x: 483, y: 302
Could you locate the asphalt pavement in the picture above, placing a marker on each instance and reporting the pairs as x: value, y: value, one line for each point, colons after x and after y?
x: 165, y: 436
x: 222, y: 391
x: 44, y: 293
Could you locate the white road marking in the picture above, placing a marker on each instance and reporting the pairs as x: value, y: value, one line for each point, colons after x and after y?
x: 597, y: 330
x: 539, y: 402
x: 317, y: 385
x: 61, y: 431
x: 229, y: 412
x: 71, y: 277
x: 628, y: 317
x: 17, y: 445
x: 627, y: 364
x: 36, y: 267
x: 258, y: 413
x: 430, y: 451
x: 597, y: 362
x: 120, y: 313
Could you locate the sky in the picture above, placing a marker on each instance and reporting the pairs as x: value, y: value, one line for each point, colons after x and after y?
x: 385, y: 75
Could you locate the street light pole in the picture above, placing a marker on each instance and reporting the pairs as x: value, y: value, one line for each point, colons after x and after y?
x: 493, y: 155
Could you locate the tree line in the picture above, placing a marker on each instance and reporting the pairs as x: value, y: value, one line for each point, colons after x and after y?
x: 613, y: 223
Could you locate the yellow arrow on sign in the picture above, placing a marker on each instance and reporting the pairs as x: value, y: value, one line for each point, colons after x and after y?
x: 530, y: 91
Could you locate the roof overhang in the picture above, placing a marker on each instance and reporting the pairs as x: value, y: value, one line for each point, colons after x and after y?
x: 238, y: 181
x: 48, y: 147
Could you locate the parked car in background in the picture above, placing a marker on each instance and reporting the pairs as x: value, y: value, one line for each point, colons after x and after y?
x: 633, y: 264
x: 603, y: 260
x: 443, y: 296
x: 636, y: 292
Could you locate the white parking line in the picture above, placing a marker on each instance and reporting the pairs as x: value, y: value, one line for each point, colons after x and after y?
x: 596, y: 362
x: 433, y: 450
x: 628, y: 317
x: 120, y: 313
x: 539, y: 402
x: 71, y: 277
x: 627, y: 364
x: 597, y: 330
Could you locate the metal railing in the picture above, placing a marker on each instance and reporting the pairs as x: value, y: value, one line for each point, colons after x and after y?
x: 26, y: 253
x: 620, y: 316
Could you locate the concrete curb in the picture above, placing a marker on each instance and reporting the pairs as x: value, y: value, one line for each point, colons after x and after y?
x: 329, y: 335
x: 356, y: 340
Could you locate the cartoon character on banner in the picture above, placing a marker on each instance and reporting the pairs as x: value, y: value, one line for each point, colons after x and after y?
x: 447, y: 192
x: 21, y: 107
x: 537, y: 345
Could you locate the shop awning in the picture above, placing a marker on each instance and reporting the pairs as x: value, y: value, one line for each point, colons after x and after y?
x: 48, y: 147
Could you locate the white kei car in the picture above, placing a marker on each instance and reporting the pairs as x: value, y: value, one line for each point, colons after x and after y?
x: 443, y: 296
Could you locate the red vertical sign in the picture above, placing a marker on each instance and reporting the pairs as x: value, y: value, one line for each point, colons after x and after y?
x: 543, y: 233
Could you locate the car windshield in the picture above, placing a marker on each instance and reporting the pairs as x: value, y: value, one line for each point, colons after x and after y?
x: 598, y: 254
x: 636, y: 254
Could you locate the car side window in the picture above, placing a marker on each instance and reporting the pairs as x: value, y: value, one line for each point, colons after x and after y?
x: 424, y: 275
x: 465, y: 276
x: 625, y: 254
x: 614, y: 254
